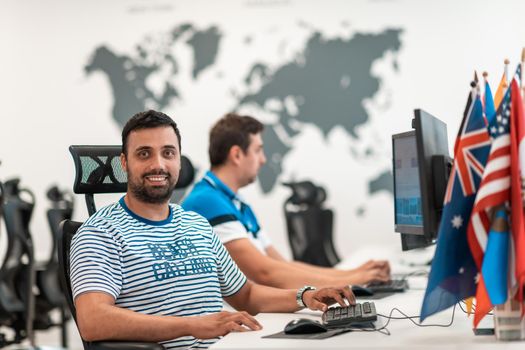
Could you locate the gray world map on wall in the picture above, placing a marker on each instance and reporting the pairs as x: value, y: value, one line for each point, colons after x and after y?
x: 324, y: 86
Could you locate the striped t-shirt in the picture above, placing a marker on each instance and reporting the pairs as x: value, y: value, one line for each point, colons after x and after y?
x: 174, y: 267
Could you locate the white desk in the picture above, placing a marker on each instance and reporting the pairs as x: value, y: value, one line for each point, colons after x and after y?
x: 404, y: 334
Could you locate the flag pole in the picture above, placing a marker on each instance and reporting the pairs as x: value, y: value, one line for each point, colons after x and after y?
x: 485, y: 75
x: 506, y: 72
x: 478, y: 88
x: 484, y: 99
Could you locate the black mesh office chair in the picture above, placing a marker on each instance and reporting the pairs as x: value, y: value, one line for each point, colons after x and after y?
x: 18, y: 295
x: 17, y: 271
x: 310, y: 225
x: 67, y: 231
x: 98, y: 170
x: 50, y: 295
x: 12, y: 307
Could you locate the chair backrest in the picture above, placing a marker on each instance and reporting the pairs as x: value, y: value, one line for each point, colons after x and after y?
x: 10, y: 304
x: 62, y: 205
x: 17, y: 213
x: 68, y: 229
x: 51, y: 294
x: 17, y: 276
x: 2, y: 198
x: 310, y: 225
x: 98, y: 170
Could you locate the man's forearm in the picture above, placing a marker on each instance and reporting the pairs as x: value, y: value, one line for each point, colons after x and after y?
x: 291, y: 275
x: 268, y: 271
x: 328, y: 271
x: 255, y: 298
x: 345, y: 277
x: 101, y: 321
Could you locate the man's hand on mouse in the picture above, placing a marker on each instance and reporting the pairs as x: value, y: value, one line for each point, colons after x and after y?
x: 320, y: 299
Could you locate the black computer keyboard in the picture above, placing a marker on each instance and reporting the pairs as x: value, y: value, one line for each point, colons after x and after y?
x: 392, y: 286
x: 346, y: 316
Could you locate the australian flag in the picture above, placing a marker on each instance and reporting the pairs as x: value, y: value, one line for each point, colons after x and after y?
x: 453, y: 274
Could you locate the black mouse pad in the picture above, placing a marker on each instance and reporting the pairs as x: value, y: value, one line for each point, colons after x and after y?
x: 322, y: 335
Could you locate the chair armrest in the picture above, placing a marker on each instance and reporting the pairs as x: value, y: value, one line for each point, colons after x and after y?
x: 123, y: 345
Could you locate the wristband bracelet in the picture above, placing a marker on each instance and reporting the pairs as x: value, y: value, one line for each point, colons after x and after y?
x: 299, y: 295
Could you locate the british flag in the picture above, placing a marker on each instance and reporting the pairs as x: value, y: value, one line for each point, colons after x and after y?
x: 453, y: 272
x: 467, y: 165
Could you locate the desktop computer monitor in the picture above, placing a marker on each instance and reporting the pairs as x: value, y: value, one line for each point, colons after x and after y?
x: 421, y: 166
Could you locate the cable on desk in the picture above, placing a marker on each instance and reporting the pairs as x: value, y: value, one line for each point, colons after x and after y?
x: 410, y: 318
x: 381, y: 330
x: 384, y: 330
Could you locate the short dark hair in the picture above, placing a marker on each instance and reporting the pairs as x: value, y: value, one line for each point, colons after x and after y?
x: 231, y: 130
x: 147, y: 120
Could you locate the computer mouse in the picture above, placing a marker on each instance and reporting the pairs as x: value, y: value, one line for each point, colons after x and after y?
x: 304, y: 326
x: 360, y: 291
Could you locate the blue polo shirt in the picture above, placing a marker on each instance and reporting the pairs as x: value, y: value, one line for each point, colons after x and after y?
x: 230, y: 217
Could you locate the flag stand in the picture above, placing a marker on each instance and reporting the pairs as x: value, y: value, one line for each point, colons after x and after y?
x: 508, y: 323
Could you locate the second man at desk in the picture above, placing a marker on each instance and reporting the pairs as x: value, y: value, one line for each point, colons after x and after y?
x: 236, y: 154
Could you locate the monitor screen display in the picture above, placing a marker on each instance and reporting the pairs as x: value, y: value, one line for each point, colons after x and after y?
x: 408, y: 210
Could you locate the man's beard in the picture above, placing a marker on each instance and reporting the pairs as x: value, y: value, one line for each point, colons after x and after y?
x: 152, y: 194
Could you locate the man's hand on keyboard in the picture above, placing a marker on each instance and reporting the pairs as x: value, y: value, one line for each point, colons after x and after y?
x: 372, y: 270
x: 320, y: 299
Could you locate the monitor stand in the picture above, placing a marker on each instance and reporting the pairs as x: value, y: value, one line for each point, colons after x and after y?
x: 411, y: 241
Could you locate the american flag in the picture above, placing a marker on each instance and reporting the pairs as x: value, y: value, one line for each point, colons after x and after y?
x: 494, y: 190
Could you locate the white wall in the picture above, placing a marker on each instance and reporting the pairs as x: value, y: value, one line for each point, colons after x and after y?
x: 49, y: 103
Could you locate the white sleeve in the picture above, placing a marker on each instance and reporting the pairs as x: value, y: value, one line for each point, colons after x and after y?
x: 233, y: 230
x: 230, y: 231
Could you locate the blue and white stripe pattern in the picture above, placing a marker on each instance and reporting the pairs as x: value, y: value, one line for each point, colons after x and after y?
x: 175, y: 267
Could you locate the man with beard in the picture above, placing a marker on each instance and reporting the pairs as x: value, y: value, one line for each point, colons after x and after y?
x: 146, y: 270
x: 236, y: 154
